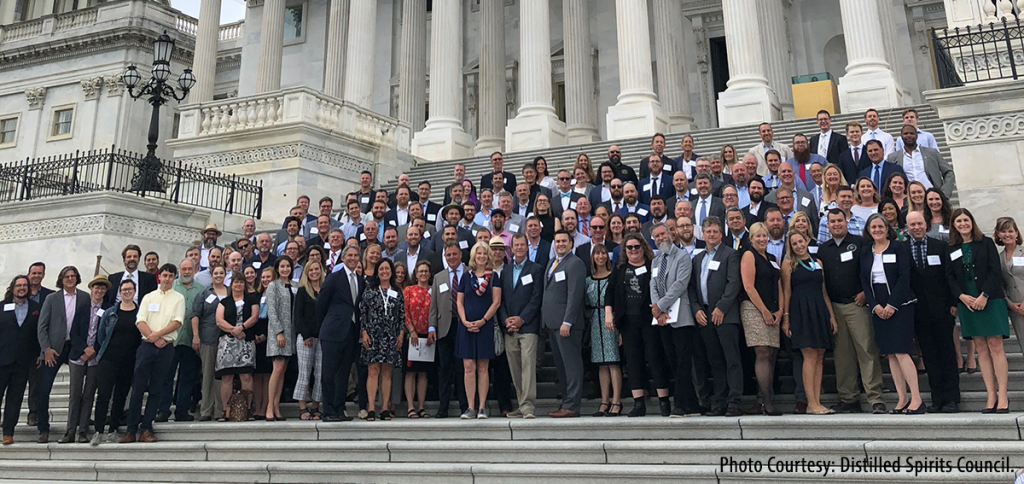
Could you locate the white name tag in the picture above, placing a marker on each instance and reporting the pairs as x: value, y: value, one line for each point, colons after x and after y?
x: 956, y: 254
x: 263, y: 300
x: 99, y: 312
x: 933, y: 260
x: 560, y: 276
x: 775, y: 264
x: 888, y: 258
x: 642, y: 212
x: 526, y: 279
x: 9, y: 307
x: 654, y: 272
x: 314, y: 230
x: 513, y: 227
x: 392, y: 293
x: 366, y: 200
x: 1018, y: 261
x: 943, y: 229
x: 572, y: 205
x: 295, y: 289
x: 693, y: 191
x: 666, y: 168
x: 211, y: 298
x: 713, y: 265
x: 154, y: 307
x: 640, y: 271
x: 426, y: 235
x: 463, y: 244
x: 846, y: 256
x: 443, y: 288
x: 431, y: 217
x: 647, y: 187
x: 392, y: 223
x: 474, y: 233
x: 813, y: 249
x: 256, y: 265
x: 362, y: 237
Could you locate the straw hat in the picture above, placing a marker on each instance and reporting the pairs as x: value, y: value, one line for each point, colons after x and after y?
x: 212, y: 227
x: 100, y: 280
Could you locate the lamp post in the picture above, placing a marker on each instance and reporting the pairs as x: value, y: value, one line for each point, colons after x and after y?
x: 148, y: 178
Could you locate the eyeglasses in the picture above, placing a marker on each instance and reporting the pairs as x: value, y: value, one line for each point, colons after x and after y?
x: 616, y: 186
x: 632, y: 247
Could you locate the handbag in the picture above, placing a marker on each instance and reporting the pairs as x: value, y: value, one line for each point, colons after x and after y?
x: 238, y: 406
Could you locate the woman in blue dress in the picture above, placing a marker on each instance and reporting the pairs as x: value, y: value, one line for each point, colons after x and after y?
x: 478, y: 300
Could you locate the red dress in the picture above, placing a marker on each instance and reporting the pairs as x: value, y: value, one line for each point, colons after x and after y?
x: 417, y: 311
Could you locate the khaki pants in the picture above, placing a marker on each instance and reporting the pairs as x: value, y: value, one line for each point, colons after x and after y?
x: 521, y: 352
x: 211, y: 405
x: 856, y: 350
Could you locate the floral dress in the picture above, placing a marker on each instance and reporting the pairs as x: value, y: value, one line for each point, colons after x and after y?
x: 417, y: 310
x: 382, y: 316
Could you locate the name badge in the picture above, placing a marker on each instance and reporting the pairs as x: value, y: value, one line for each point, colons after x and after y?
x: 697, y: 251
x: 572, y: 205
x: 956, y: 254
x: 474, y: 233
x: 933, y: 260
x: 513, y: 227
x: 239, y: 304
x: 642, y: 212
x: 99, y: 312
x: 154, y: 307
x: 1018, y: 261
x: 263, y: 300
x: 426, y: 235
x: 295, y: 290
x: 365, y: 200
x: 943, y: 229
x: 8, y: 307
x: 693, y: 191
x: 666, y: 168
x: 846, y: 256
x: 775, y: 264
x: 431, y: 217
x: 463, y: 244
x: 813, y: 249
x: 654, y: 272
x: 443, y: 288
x: 640, y: 271
x: 392, y: 293
x: 211, y: 298
x: 314, y: 230
x: 805, y: 201
x: 647, y: 187
x: 526, y: 279
x: 256, y: 265
x: 713, y: 265
x: 560, y: 276
x: 362, y: 237
x: 392, y: 223
x: 888, y: 258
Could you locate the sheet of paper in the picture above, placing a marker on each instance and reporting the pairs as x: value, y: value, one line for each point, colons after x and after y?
x: 420, y: 351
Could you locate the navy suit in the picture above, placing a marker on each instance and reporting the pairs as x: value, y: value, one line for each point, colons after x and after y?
x: 664, y: 188
x: 522, y: 300
x: 887, y: 169
x: 642, y: 211
x: 19, y: 348
x: 543, y: 253
x: 338, y: 315
x: 851, y: 168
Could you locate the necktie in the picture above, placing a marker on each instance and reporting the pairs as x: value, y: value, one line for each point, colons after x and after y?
x: 584, y: 227
x: 735, y: 243
x: 128, y: 276
x: 554, y: 266
x: 353, y: 286
x: 878, y: 175
x: 654, y: 186
x: 872, y: 135
x: 803, y: 173
x: 856, y: 154
x: 703, y: 212
x: 330, y: 264
x: 616, y: 207
x: 662, y: 276
x: 453, y: 290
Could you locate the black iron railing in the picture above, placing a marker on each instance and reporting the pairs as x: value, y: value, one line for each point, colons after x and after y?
x: 985, y: 52
x: 119, y: 171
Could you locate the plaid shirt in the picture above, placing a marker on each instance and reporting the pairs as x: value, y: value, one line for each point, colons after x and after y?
x: 853, y: 226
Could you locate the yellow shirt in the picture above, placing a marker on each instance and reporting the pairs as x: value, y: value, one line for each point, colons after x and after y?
x: 158, y: 309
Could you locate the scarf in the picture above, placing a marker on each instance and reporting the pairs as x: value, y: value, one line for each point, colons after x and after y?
x: 480, y: 283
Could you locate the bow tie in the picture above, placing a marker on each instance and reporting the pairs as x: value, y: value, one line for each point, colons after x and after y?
x: 565, y: 195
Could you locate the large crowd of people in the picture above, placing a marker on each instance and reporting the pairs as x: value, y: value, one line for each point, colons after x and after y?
x: 685, y: 280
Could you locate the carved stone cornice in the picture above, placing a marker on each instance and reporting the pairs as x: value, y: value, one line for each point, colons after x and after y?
x: 122, y: 38
x: 35, y: 97
x: 303, y: 151
x: 102, y: 223
x: 984, y: 128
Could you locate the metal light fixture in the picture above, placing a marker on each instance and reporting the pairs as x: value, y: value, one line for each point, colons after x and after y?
x: 131, y: 77
x: 187, y: 80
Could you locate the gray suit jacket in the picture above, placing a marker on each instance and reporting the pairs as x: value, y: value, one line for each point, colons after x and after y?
x: 523, y: 300
x: 440, y: 316
x: 563, y: 300
x: 677, y: 272
x: 939, y: 171
x: 53, y: 324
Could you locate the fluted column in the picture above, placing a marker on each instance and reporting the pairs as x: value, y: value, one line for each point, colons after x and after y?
x: 443, y: 137
x: 669, y: 54
x: 337, y: 30
x: 535, y: 125
x: 887, y: 20
x: 412, y: 69
x: 491, y: 130
x: 362, y: 23
x: 580, y: 105
x: 775, y: 51
x: 637, y: 112
x: 749, y: 98
x: 268, y: 70
x: 204, y: 61
x: 869, y: 81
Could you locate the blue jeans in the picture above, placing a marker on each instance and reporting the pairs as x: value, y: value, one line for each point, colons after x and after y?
x: 151, y: 367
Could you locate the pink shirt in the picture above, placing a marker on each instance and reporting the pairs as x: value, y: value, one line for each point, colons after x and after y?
x: 70, y: 301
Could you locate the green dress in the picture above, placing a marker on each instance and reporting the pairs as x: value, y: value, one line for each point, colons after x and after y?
x: 991, y: 321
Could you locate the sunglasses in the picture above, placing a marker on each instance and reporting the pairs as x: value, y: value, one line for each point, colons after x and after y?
x: 632, y: 247
x: 614, y: 152
x: 243, y: 247
x: 597, y: 227
x: 564, y: 178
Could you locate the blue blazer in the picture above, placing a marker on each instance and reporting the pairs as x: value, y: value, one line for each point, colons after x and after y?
x: 897, y: 274
x: 522, y: 300
x: 887, y: 169
x: 664, y: 188
x: 337, y: 313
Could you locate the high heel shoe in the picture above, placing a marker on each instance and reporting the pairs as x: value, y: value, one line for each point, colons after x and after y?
x: 769, y: 410
x: 920, y: 410
x: 602, y: 410
x: 616, y: 413
x: 989, y: 410
x: 898, y: 411
x: 1003, y: 410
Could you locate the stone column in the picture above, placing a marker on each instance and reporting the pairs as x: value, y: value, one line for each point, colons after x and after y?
x: 362, y: 23
x: 535, y: 125
x: 670, y: 56
x: 204, y: 61
x: 749, y: 98
x: 637, y: 112
x: 412, y: 69
x: 580, y: 105
x: 268, y: 70
x: 887, y: 20
x: 491, y: 131
x: 775, y: 50
x: 337, y: 30
x: 869, y: 81
x: 443, y: 137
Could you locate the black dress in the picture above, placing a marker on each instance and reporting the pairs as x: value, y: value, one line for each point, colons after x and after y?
x: 547, y: 227
x: 809, y: 320
x: 263, y: 364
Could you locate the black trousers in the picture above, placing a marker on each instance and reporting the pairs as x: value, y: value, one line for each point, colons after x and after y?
x: 114, y: 383
x: 13, y: 379
x: 678, y: 343
x: 501, y: 382
x: 642, y: 344
x: 338, y: 357
x: 935, y: 336
x: 722, y: 352
x: 447, y: 365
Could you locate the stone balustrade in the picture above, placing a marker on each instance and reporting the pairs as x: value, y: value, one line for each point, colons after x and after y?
x: 291, y: 107
x: 186, y: 24
x: 231, y: 31
x: 76, y: 19
x: 21, y: 30
x: 98, y: 17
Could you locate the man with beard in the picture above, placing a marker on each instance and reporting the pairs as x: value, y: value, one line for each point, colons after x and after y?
x: 400, y: 214
x: 827, y: 143
x: 146, y: 282
x: 922, y: 163
x: 802, y: 159
x: 498, y: 230
x: 760, y: 150
x: 776, y: 232
x: 629, y: 195
x: 739, y: 181
x: 757, y: 207
x: 19, y: 349
x: 736, y: 236
x: 844, y: 201
x: 437, y: 259
x: 658, y: 183
x: 292, y: 227
x: 234, y: 264
x: 458, y: 174
x: 622, y: 172
x: 204, y: 277
x: 686, y: 162
x: 657, y: 149
x: 789, y: 184
x: 210, y: 235
x: 680, y: 192
x: 617, y: 202
x: 704, y: 167
x: 685, y: 238
x: 403, y: 181
x: 569, y: 221
x: 603, y: 191
x: 670, y: 279
x: 265, y: 257
x: 467, y: 222
x: 871, y: 119
x: 924, y: 138
x: 705, y: 205
x: 530, y: 178
x: 658, y: 216
x: 390, y: 243
x: 415, y: 250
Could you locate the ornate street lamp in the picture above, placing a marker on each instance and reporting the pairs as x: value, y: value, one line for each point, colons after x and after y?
x: 148, y: 178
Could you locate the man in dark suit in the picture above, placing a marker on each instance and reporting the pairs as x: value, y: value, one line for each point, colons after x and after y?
x: 366, y: 194
x: 879, y: 169
x: 458, y: 174
x: 598, y: 231
x: 144, y: 281
x: 705, y: 205
x: 37, y: 294
x: 934, y: 314
x: 736, y: 236
x: 565, y: 198
x: 755, y: 211
x: 338, y: 310
x: 448, y: 234
x: 714, y: 289
x: 54, y: 341
x: 399, y: 214
x: 19, y: 349
x: 519, y: 316
x: 564, y: 289
x: 659, y: 182
x: 497, y: 165
x: 687, y: 161
x: 658, y: 149
x: 631, y: 203
x: 403, y: 181
x: 431, y: 210
x: 601, y: 194
x: 443, y: 320
x: 854, y: 159
x: 538, y: 249
x: 828, y: 143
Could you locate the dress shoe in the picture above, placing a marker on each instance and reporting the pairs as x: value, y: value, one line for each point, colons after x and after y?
x: 934, y: 408
x: 878, y: 408
x: 844, y: 407
x: 733, y: 411
x: 82, y: 438
x: 32, y: 420
x: 184, y: 418
x: 128, y: 438
x: 441, y: 414
x: 717, y: 412
x: 951, y: 407
x: 552, y: 414
x: 68, y: 438
x: 162, y: 417
x: 639, y: 408
x: 754, y: 409
x: 563, y: 413
x: 44, y: 438
x: 147, y: 437
x: 989, y: 410
x: 8, y: 439
x: 800, y: 408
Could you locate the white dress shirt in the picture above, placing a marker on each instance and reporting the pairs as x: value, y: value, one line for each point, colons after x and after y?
x: 823, y: 139
x: 888, y: 144
x: 913, y: 165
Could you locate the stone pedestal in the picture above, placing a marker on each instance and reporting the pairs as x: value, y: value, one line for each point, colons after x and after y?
x: 749, y: 98
x: 537, y: 131
x: 984, y: 126
x: 535, y: 125
x: 439, y: 144
x: 636, y: 111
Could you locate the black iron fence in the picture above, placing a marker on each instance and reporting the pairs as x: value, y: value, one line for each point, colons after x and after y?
x: 121, y: 171
x: 985, y: 52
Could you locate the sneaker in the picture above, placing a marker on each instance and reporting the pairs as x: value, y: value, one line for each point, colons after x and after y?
x: 878, y: 408
x: 362, y: 415
x: 529, y: 416
x: 96, y: 439
x: 470, y: 414
x: 482, y: 414
x: 514, y: 414
x: 112, y: 437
